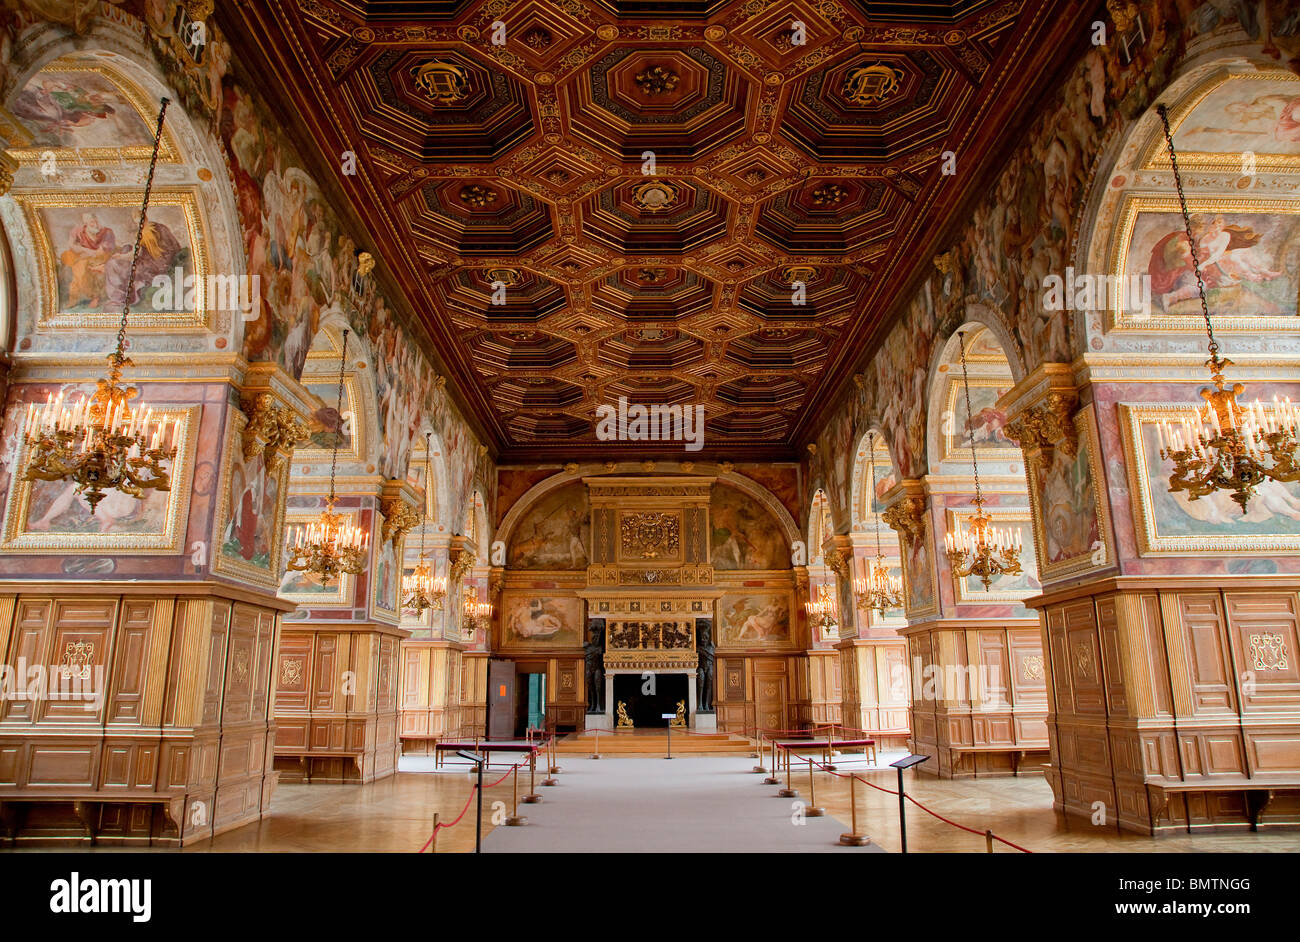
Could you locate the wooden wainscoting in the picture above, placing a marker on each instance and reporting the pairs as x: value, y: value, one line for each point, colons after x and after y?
x: 875, y: 693
x: 979, y: 697
x: 1175, y: 703
x: 336, y: 703
x: 176, y: 748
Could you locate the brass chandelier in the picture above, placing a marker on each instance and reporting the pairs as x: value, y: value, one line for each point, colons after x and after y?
x: 1227, y: 447
x: 985, y: 550
x: 99, y: 442
x: 822, y: 610
x: 332, y: 545
x: 880, y: 590
x: 474, y: 615
x: 422, y: 589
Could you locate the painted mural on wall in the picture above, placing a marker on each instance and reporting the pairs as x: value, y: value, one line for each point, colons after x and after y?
x: 781, y: 481
x: 540, y: 621
x: 1261, y: 117
x: 1250, y: 261
x: 1168, y: 522
x: 554, y: 533
x: 81, y: 107
x: 754, y: 619
x: 919, y: 574
x: 1022, y: 230
x: 744, y: 534
x: 1067, y: 506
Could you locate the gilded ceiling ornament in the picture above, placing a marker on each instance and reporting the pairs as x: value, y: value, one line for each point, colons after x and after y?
x: 571, y: 468
x: 656, y: 80
x: 476, y: 195
x: 1041, y: 429
x: 907, y: 516
x: 647, y: 466
x: 687, y: 466
x: 538, y: 38
x: 653, y: 196
x: 726, y: 467
x: 443, y: 82
x: 505, y: 276
x: 829, y: 194
x: 1123, y: 12
x: 872, y: 83
x: 650, y: 534
x: 652, y: 274
x: 365, y: 263
x: 399, y: 518
x: 609, y: 466
x: 792, y: 273
x: 272, y: 429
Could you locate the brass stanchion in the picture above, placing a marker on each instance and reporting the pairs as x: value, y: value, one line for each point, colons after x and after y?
x: 812, y: 811
x: 596, y: 754
x: 988, y: 840
x: 789, y: 791
x: 551, y: 752
x: 532, y: 797
x: 549, y: 781
x: 760, y: 767
x: 433, y: 843
x: 516, y: 819
x: 853, y: 838
x: 830, y: 748
x: 776, y: 766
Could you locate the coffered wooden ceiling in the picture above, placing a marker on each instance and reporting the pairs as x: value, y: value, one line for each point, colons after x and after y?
x: 776, y: 161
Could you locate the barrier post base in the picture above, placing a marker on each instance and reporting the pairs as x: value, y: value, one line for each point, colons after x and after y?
x: 550, y: 782
x: 853, y: 840
x: 760, y: 768
x: 771, y: 780
x: 516, y: 820
x: 788, y: 793
x: 814, y: 812
x: 531, y: 799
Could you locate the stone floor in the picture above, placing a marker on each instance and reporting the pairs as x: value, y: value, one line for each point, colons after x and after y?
x: 693, y: 803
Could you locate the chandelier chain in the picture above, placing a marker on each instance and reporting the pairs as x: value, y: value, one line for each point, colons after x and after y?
x: 970, y: 421
x: 119, y: 356
x: 1187, y: 224
x: 338, y: 428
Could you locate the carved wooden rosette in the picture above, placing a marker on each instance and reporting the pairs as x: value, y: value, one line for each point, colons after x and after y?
x: 1040, y: 429
x: 273, y: 429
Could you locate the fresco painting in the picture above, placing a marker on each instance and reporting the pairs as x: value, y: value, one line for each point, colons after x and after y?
x: 744, y: 534
x: 754, y: 619
x: 555, y: 532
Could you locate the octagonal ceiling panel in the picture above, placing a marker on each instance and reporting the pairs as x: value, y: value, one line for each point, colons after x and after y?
x: 678, y: 103
x: 775, y: 160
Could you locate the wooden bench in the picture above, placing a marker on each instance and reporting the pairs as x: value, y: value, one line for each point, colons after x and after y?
x: 1258, y: 794
x: 84, y: 804
x: 1017, y: 753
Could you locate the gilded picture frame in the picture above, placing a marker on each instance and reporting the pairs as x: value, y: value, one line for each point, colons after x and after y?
x: 970, y: 590
x: 170, y: 538
x: 198, y: 316
x: 770, y: 601
x: 357, y: 446
x: 1156, y: 154
x: 950, y: 446
x: 376, y: 604
x: 905, y: 544
x: 1102, y: 552
x: 1156, y: 512
x: 1118, y: 255
x: 142, y: 104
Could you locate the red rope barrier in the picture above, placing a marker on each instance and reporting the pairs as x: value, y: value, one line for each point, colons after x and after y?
x: 889, y: 791
x: 474, y: 788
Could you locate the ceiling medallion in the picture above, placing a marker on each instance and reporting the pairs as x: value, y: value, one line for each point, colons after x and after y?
x: 656, y: 80
x: 829, y: 194
x: 652, y: 275
x: 792, y: 273
x: 654, y: 196
x: 475, y: 195
x: 504, y: 276
x: 443, y: 82
x: 872, y: 83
